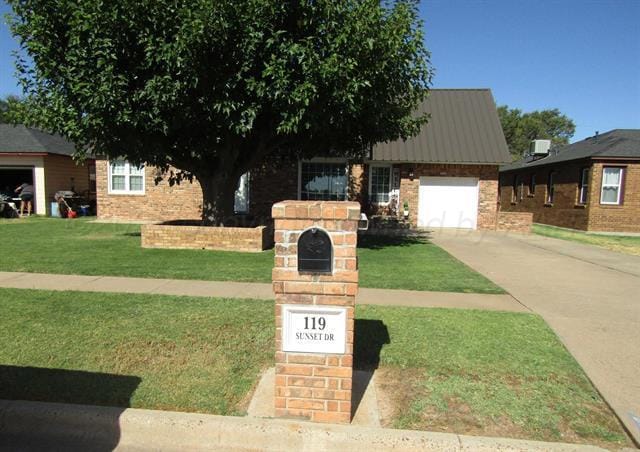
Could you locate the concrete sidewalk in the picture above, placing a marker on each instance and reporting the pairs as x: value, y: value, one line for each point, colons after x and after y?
x: 588, y: 295
x: 231, y: 289
x: 36, y: 426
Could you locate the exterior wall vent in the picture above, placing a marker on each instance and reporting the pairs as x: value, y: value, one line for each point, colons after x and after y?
x: 539, y: 147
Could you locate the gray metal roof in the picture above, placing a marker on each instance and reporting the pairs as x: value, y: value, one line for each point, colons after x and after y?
x: 14, y: 139
x: 617, y: 143
x: 464, y: 128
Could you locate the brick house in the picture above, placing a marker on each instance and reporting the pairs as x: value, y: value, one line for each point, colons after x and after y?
x: 43, y: 160
x: 447, y: 175
x: 592, y: 185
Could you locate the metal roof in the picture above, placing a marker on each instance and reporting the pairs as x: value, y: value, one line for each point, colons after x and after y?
x: 464, y: 128
x: 617, y: 143
x: 21, y: 139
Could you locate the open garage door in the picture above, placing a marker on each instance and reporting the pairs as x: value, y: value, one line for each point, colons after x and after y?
x: 448, y: 202
x: 13, y: 176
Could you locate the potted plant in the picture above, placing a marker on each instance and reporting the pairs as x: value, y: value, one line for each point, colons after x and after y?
x: 405, y: 206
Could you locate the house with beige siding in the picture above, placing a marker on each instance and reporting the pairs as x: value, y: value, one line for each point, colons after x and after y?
x: 447, y: 175
x: 43, y: 160
x: 592, y: 185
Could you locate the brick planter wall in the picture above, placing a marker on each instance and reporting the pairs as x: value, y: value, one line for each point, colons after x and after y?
x: 515, y: 221
x: 315, y: 386
x: 205, y: 237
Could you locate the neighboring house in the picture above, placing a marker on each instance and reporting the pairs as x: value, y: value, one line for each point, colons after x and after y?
x: 593, y: 184
x: 44, y: 160
x: 448, y: 174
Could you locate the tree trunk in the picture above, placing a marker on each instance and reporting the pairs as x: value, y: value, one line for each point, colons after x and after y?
x: 218, y: 196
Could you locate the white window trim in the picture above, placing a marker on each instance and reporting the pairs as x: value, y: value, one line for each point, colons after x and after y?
x: 603, y: 185
x: 323, y: 160
x: 551, y: 189
x: 391, y: 190
x: 584, y: 186
x: 248, y: 188
x: 532, y: 184
x: 127, y: 174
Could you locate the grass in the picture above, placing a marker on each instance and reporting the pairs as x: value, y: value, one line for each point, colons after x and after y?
x: 621, y: 243
x: 157, y: 352
x: 482, y: 373
x: 474, y: 372
x: 51, y: 245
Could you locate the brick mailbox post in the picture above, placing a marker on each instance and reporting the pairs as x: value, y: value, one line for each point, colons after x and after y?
x: 315, y: 280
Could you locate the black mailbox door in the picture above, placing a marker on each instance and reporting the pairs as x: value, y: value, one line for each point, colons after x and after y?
x: 315, y: 253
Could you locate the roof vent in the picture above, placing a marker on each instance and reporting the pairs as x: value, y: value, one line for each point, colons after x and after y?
x: 539, y: 147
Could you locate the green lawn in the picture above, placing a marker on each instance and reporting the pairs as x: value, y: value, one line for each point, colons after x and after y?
x: 462, y: 371
x: 52, y: 245
x: 621, y: 243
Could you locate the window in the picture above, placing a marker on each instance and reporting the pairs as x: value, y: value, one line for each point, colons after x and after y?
x: 584, y: 185
x: 521, y: 190
x: 514, y: 189
x: 325, y: 181
x: 611, y: 186
x: 532, y: 185
x: 379, y: 184
x: 550, y: 188
x: 125, y: 178
x: 241, y: 200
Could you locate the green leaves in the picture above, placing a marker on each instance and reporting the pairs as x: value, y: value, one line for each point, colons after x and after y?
x: 231, y: 82
x: 520, y: 128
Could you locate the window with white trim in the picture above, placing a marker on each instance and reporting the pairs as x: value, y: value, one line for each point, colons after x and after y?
x: 611, y: 192
x: 584, y: 185
x: 532, y: 185
x: 125, y: 178
x: 241, y: 199
x: 379, y: 184
x: 550, y: 188
x: 326, y: 181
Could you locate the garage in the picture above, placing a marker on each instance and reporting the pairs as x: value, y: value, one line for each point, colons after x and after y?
x: 13, y: 176
x: 448, y: 202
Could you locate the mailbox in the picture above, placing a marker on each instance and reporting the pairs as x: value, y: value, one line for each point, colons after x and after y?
x: 315, y: 252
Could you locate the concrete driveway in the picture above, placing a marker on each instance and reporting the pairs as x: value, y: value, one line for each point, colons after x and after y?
x: 588, y: 295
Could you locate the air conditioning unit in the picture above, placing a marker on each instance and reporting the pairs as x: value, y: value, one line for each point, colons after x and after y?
x: 539, y: 147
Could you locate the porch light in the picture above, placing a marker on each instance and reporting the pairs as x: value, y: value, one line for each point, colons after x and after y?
x: 411, y: 173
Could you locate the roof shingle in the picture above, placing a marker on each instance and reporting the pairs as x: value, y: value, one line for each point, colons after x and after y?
x: 23, y: 139
x: 617, y: 143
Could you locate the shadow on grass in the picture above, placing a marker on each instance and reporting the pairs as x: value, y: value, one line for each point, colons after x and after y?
x: 30, y: 425
x: 377, y: 242
x: 132, y: 234
x: 369, y: 338
x: 66, y: 386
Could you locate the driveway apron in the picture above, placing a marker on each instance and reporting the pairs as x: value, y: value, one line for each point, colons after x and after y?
x: 589, y: 296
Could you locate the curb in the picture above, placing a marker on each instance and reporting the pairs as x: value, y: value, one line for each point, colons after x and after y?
x: 46, y: 426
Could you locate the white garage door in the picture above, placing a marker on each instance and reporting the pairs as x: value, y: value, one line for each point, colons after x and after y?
x: 448, y: 202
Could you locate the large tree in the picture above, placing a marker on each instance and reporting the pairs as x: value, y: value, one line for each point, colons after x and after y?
x: 215, y: 87
x: 520, y: 128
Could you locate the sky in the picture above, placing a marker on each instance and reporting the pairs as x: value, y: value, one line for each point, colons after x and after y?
x: 579, y: 56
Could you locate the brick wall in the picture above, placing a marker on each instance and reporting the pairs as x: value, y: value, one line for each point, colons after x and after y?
x: 206, y: 238
x: 58, y: 173
x: 619, y: 218
x: 273, y: 182
x: 566, y: 210
x: 315, y: 386
x: 159, y: 203
x: 515, y: 221
x: 488, y: 188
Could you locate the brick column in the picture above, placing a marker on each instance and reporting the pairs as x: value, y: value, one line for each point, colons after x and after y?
x: 315, y: 386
